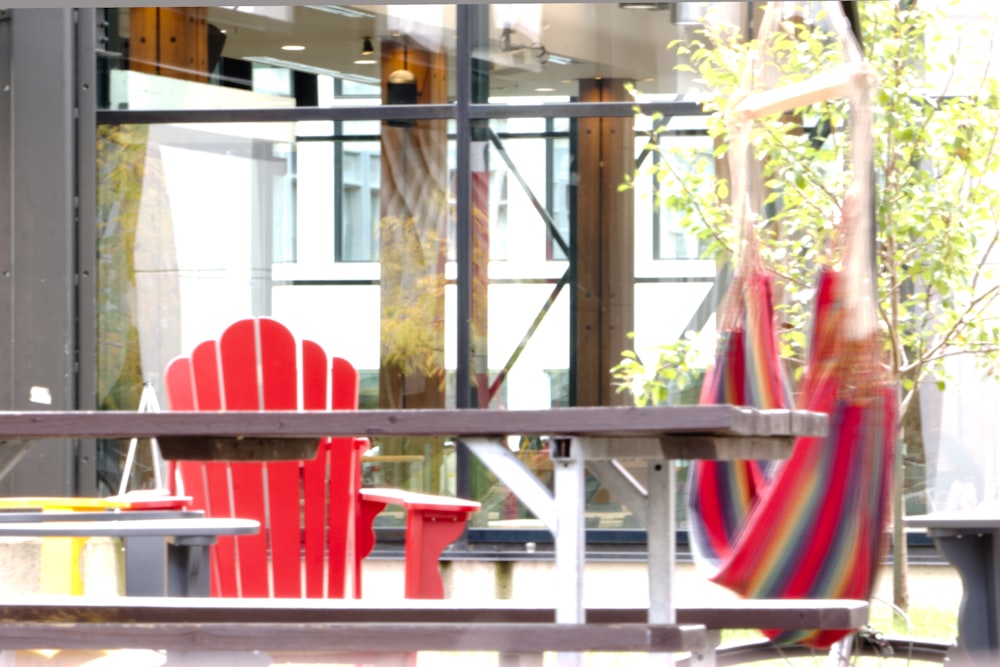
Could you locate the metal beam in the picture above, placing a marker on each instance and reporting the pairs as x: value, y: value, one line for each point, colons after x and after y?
x: 95, y: 4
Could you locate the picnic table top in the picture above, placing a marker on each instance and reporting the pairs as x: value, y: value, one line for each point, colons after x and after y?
x: 725, y: 420
x: 696, y: 431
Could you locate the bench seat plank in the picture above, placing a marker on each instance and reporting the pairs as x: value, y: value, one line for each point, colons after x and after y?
x: 369, y: 637
x: 752, y: 614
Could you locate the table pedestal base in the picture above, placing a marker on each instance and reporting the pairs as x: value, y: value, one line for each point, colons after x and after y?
x: 976, y: 558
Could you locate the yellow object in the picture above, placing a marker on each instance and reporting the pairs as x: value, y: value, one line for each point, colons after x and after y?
x: 60, y: 559
x: 59, y: 504
x: 49, y: 658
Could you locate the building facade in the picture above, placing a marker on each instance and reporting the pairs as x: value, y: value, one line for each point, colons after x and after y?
x: 431, y: 191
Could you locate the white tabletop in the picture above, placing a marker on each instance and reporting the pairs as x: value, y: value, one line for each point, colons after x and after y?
x: 971, y: 519
x: 183, y: 527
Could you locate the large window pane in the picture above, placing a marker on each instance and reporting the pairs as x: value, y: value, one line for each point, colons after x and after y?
x: 345, y: 227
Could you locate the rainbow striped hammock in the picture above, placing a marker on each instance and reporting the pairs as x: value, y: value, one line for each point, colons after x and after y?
x: 812, y: 526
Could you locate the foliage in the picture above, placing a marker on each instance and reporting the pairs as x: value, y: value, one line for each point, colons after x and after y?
x: 662, y: 381
x: 121, y: 167
x: 936, y: 209
x: 413, y: 284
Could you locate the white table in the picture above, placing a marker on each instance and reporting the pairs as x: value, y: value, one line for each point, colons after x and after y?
x: 596, y: 439
x: 163, y: 555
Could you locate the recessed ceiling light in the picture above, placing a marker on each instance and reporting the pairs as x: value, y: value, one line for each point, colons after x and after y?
x: 293, y: 47
x: 544, y: 90
x: 365, y: 61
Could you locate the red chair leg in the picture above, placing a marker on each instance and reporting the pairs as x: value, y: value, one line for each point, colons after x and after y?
x: 428, y: 532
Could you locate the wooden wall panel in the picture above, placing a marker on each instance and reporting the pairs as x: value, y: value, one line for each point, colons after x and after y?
x: 618, y: 248
x: 169, y: 41
x: 143, y: 39
x: 604, y: 246
x: 183, y: 38
x: 587, y: 287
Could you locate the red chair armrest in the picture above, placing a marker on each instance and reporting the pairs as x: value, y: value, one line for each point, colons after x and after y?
x: 420, y: 501
x: 432, y: 523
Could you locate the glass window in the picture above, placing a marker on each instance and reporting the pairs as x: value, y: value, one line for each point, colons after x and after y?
x: 358, y: 219
x: 689, y: 160
x: 284, y: 240
x: 344, y: 224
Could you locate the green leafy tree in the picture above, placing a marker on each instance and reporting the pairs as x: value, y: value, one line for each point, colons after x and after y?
x: 936, y: 203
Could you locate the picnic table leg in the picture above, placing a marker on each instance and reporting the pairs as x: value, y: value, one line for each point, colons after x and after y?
x: 658, y: 492
x: 529, y: 489
x: 570, y: 535
x: 660, y: 541
x: 567, y: 456
x: 661, y: 546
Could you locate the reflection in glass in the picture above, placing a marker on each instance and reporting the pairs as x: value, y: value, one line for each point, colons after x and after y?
x: 345, y: 229
x: 526, y: 51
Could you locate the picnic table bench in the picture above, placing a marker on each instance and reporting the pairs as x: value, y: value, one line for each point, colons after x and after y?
x: 286, y: 628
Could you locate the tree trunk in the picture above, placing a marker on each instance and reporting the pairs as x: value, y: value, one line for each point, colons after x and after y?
x: 900, y: 585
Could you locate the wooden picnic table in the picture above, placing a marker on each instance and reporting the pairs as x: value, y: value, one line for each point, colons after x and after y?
x: 290, y: 629
x: 594, y: 439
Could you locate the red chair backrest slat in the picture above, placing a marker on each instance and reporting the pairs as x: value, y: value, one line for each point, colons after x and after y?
x: 306, y: 507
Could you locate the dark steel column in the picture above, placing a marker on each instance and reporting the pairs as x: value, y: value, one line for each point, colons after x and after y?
x: 42, y: 250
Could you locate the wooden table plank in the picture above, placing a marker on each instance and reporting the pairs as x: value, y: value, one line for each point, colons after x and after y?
x: 594, y: 421
x: 368, y: 637
x: 779, y: 614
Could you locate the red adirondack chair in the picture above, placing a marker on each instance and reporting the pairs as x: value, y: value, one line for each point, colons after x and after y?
x: 316, y: 517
